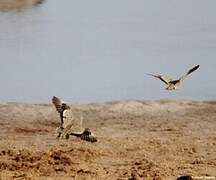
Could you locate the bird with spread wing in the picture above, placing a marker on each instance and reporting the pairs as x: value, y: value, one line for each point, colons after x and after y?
x: 174, y: 84
x: 71, y: 125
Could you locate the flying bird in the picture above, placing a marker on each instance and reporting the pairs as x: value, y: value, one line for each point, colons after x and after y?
x: 174, y: 84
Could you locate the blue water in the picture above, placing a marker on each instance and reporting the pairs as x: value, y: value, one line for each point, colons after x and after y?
x: 100, y: 50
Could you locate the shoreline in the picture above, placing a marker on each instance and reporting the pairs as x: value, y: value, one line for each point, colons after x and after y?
x: 108, y: 101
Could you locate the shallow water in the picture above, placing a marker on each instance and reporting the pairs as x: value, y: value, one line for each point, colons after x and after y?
x: 101, y: 50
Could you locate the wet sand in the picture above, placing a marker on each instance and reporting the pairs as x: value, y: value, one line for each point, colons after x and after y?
x: 149, y: 140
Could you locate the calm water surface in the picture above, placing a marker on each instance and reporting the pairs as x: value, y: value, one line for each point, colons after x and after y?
x: 87, y: 51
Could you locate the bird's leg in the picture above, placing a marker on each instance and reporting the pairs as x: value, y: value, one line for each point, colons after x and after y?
x: 58, y: 136
x: 59, y: 131
x: 66, y: 131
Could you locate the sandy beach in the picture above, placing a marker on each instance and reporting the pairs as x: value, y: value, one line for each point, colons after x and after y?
x: 150, y: 140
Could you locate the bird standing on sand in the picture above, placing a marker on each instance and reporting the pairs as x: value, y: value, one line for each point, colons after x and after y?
x: 174, y: 84
x: 69, y: 122
x: 60, y: 107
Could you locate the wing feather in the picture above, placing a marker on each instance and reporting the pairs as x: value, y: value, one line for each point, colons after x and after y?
x: 57, y: 103
x: 163, y: 78
x: 190, y: 71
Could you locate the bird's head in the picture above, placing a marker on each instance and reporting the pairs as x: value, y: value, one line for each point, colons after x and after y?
x: 65, y: 106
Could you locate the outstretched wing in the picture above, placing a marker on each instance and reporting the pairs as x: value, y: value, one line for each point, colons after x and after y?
x: 89, y: 138
x: 57, y: 103
x: 86, y: 135
x: 190, y: 71
x: 60, y: 107
x: 163, y: 78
